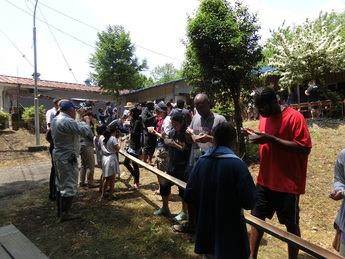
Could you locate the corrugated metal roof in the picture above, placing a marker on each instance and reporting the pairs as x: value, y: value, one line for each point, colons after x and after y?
x: 29, y: 82
x: 150, y: 87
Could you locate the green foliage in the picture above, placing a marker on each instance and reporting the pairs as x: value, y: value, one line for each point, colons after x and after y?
x: 228, y: 111
x: 165, y: 73
x: 28, y: 115
x: 222, y: 49
x: 4, y: 116
x: 146, y: 81
x: 116, y: 67
x: 308, y: 51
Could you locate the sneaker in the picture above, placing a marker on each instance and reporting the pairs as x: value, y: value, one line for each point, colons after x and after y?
x: 184, y: 228
x: 161, y: 211
x: 180, y: 216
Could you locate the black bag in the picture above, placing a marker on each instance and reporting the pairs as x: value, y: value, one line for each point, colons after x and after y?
x: 48, y: 136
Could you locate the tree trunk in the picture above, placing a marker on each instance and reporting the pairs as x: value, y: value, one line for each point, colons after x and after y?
x: 241, y: 148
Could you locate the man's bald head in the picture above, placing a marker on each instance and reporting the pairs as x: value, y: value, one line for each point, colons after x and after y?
x: 202, y: 104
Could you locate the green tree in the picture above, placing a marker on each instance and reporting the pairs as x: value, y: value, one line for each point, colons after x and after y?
x: 222, y: 50
x: 115, y: 65
x: 165, y: 73
x: 308, y: 52
x: 148, y: 81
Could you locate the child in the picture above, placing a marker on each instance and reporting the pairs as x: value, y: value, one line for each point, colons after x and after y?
x: 110, y: 165
x: 96, y: 142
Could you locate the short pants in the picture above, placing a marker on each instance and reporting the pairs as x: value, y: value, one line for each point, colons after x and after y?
x: 284, y: 204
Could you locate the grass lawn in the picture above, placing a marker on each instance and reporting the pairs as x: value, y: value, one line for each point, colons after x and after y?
x: 126, y: 228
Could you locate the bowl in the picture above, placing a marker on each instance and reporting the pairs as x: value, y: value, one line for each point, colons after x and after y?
x: 150, y: 129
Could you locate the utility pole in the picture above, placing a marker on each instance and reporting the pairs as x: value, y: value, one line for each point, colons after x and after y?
x: 37, y: 117
x: 38, y: 147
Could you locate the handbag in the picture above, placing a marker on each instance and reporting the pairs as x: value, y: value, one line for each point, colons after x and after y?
x: 336, y: 240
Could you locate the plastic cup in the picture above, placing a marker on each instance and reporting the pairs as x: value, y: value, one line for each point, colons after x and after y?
x: 167, y: 140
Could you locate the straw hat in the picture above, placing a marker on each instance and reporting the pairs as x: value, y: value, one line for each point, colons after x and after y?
x: 129, y: 105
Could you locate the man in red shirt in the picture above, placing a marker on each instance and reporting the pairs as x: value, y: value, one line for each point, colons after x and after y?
x: 285, y: 144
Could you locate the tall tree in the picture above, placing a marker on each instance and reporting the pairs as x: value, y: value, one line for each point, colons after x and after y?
x: 115, y: 65
x: 165, y: 73
x: 222, y: 50
x: 308, y: 51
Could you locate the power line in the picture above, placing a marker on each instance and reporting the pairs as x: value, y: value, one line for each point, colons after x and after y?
x: 51, y: 25
x: 23, y: 55
x: 71, y: 17
x: 98, y: 30
x: 70, y: 69
x: 77, y: 39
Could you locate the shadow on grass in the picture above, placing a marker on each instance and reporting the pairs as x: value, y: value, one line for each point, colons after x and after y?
x: 108, y: 229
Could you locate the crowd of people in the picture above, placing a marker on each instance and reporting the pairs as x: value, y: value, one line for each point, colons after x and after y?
x: 199, y: 149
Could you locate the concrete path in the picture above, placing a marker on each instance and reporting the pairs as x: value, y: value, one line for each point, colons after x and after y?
x: 18, y: 179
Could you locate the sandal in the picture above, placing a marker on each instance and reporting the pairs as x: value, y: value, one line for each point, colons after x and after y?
x: 132, y: 188
x: 156, y: 192
x: 181, y: 216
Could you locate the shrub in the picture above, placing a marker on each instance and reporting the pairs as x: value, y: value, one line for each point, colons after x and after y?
x: 4, y: 116
x: 227, y: 110
x: 28, y: 115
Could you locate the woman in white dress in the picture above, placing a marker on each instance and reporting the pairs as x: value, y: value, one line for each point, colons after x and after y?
x: 110, y: 165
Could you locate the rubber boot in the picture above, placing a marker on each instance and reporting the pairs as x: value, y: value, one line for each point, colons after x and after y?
x: 65, y: 210
x: 58, y: 200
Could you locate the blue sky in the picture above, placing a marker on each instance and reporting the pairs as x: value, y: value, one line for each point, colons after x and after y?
x: 156, y: 28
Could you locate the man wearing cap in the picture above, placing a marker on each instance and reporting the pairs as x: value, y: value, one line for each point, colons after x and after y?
x: 50, y: 114
x: 65, y: 133
x: 122, y: 124
x: 149, y: 120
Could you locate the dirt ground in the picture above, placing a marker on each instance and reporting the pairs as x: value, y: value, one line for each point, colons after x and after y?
x: 14, y: 156
x: 317, y: 210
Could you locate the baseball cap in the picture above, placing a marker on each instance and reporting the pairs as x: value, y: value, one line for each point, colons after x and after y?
x: 56, y: 101
x: 125, y: 112
x: 67, y: 104
x: 161, y: 107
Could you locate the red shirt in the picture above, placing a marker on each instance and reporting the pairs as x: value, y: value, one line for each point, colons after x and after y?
x: 282, y: 170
